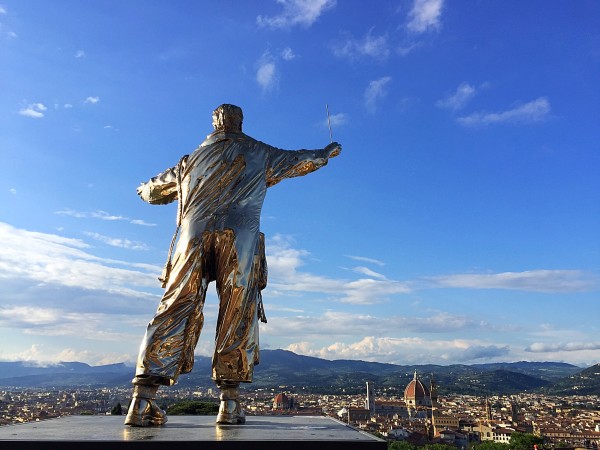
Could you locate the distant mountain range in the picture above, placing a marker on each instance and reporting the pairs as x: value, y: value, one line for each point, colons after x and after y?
x: 280, y: 368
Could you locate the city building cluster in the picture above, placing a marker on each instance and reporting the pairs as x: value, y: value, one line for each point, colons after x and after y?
x: 415, y: 413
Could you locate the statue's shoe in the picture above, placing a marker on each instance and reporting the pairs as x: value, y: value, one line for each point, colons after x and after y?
x: 144, y: 412
x: 231, y: 413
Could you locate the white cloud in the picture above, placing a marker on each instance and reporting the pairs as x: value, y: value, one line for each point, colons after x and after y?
x: 340, y: 325
x: 535, y: 111
x: 552, y: 281
x: 376, y: 91
x: 296, y: 12
x: 2, y: 10
x: 459, y: 99
x: 287, y: 54
x: 13, y: 191
x: 92, y: 100
x: 425, y: 15
x: 41, y: 355
x: 371, y: 46
x: 266, y: 72
x: 410, y: 350
x: 544, y: 347
x: 79, y: 54
x: 67, y: 105
x: 49, y: 258
x: 117, y: 242
x: 35, y: 110
x: 285, y: 278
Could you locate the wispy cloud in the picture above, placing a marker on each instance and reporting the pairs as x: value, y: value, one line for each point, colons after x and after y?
x: 288, y: 54
x: 425, y: 15
x: 336, y: 120
x: 371, y: 46
x: 142, y: 223
x: 92, y: 100
x: 80, y: 54
x: 533, y: 281
x: 99, y: 214
x: 296, y: 12
x: 365, y: 259
x: 375, y: 92
x: 34, y: 110
x: 368, y: 272
x: 407, y: 47
x: 13, y: 191
x: 2, y: 10
x: 457, y: 100
x: 102, y: 215
x: 266, y: 74
x: 535, y: 111
x: 545, y: 347
x: 117, y: 242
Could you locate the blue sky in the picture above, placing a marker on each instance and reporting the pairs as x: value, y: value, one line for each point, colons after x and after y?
x: 459, y: 225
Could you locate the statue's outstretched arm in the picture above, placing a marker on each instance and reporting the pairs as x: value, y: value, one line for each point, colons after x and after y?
x: 161, y: 189
x: 296, y: 163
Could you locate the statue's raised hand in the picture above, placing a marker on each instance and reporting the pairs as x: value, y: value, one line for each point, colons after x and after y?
x: 334, y: 149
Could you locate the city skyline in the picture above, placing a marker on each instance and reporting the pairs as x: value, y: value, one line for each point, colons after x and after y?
x: 459, y: 224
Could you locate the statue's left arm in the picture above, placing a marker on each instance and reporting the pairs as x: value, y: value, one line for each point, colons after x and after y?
x: 162, y: 189
x: 296, y: 163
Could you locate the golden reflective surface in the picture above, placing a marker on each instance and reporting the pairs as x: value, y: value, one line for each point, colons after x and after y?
x: 220, y: 187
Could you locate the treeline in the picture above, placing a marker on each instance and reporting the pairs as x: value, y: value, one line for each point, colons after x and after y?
x: 193, y: 408
x: 518, y: 441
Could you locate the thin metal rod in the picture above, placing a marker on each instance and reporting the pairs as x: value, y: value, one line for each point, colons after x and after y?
x: 329, y: 123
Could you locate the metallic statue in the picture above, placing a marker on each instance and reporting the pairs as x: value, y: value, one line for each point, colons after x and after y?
x: 220, y: 190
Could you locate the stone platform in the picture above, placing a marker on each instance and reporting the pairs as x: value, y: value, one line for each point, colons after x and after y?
x: 189, y: 432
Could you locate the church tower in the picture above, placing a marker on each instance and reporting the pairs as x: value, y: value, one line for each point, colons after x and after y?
x: 488, y: 410
x: 434, y: 399
x: 370, y: 401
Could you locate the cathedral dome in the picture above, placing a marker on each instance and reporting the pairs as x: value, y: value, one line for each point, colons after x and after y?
x: 416, y: 393
x: 282, y: 401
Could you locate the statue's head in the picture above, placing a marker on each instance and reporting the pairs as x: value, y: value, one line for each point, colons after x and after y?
x: 228, y: 118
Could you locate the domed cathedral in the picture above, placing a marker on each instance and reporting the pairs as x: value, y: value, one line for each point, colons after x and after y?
x: 419, y: 398
x: 282, y: 402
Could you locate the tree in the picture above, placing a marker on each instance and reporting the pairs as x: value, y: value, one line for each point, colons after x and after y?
x: 490, y: 445
x: 193, y: 408
x: 401, y: 445
x: 117, y: 410
x: 439, y: 447
x: 525, y: 441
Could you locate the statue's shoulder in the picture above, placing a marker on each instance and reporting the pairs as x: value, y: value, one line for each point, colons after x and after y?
x: 220, y: 136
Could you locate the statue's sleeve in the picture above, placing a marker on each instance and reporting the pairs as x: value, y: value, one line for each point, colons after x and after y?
x: 162, y: 189
x: 293, y: 163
